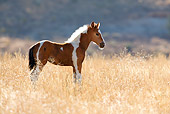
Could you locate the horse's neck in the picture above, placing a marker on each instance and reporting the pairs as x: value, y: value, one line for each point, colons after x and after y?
x: 84, y: 42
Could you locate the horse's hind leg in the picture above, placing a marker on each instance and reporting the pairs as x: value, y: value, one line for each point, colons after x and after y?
x: 41, y: 59
x: 37, y: 70
x: 35, y: 73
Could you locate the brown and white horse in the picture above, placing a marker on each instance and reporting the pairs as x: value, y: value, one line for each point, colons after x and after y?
x: 70, y: 53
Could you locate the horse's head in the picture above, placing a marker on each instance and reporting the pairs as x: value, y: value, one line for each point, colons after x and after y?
x: 95, y: 35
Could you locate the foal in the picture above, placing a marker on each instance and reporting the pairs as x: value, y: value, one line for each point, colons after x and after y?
x: 70, y: 53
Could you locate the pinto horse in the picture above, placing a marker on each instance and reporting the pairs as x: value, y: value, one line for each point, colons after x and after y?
x: 70, y: 53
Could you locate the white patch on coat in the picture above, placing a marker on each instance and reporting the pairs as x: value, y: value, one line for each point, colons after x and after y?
x: 35, y: 73
x: 75, y: 40
x: 38, y: 61
x: 76, y: 35
x: 51, y: 59
x: 61, y: 48
x: 94, y: 43
x: 74, y: 59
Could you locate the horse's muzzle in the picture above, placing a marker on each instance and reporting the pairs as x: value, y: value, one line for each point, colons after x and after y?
x: 102, y: 44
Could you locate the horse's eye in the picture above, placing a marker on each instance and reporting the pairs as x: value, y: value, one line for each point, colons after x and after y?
x: 97, y: 34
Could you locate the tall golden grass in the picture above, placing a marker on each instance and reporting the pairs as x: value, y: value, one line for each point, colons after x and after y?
x: 117, y: 84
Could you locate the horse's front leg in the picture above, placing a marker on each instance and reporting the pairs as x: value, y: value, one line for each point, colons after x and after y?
x: 77, y: 73
x: 74, y: 75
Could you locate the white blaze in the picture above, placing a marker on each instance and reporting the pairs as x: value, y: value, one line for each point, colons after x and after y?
x: 101, y: 34
x: 102, y: 38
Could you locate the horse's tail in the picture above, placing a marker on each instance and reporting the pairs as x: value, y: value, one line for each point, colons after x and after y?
x: 32, y: 61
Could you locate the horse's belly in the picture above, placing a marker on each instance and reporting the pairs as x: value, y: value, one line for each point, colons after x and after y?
x: 65, y: 63
x: 61, y: 59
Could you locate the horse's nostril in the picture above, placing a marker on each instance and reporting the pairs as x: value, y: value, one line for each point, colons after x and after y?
x: 102, y: 45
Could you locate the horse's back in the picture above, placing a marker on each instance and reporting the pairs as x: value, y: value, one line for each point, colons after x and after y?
x: 48, y: 50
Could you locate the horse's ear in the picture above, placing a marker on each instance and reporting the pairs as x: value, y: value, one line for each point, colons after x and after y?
x: 98, y: 25
x: 92, y: 24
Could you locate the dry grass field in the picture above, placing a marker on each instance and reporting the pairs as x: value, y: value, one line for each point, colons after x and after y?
x: 118, y: 84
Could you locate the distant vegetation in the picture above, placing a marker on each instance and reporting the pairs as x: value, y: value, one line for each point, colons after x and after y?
x: 134, y: 24
x: 42, y: 19
x: 169, y: 24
